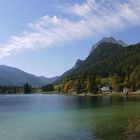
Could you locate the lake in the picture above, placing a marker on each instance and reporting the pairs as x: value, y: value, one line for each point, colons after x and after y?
x: 60, y: 117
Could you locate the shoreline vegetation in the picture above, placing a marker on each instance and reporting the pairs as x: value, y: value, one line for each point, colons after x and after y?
x: 27, y: 89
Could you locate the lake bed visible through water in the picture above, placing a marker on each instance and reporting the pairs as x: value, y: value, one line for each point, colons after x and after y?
x: 60, y: 117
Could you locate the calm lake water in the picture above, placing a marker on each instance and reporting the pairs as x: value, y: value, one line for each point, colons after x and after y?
x: 59, y: 117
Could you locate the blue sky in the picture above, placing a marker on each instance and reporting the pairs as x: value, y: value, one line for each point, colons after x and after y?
x: 46, y: 37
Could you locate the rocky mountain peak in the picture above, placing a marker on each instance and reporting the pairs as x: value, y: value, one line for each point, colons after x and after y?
x: 108, y: 40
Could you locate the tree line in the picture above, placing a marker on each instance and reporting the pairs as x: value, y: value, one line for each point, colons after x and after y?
x: 26, y: 88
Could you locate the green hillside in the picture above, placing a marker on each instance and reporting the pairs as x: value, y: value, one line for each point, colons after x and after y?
x: 107, y: 61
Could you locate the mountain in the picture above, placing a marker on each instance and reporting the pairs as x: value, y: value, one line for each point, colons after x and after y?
x: 77, y: 64
x: 62, y: 77
x: 11, y: 76
x: 108, y: 58
x: 48, y: 80
x: 108, y: 40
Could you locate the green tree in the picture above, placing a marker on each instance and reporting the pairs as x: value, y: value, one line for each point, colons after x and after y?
x: 78, y: 86
x: 116, y: 81
x: 91, y: 83
x: 48, y: 87
x: 27, y: 88
x: 135, y: 79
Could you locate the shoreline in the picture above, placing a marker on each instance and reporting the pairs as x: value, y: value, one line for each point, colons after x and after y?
x: 101, y: 94
x: 81, y: 94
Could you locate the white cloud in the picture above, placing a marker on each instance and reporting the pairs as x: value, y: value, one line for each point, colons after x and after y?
x: 83, y: 9
x: 91, y: 18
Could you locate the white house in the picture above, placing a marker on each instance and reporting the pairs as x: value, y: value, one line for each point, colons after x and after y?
x: 125, y: 90
x: 105, y: 89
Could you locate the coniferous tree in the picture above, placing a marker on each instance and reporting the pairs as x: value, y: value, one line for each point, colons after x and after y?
x: 27, y: 88
x: 91, y: 83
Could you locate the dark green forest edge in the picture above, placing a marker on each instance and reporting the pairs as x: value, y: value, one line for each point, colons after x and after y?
x: 110, y: 67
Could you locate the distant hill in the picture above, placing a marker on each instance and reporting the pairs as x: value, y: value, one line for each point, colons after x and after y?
x: 11, y: 76
x: 48, y: 80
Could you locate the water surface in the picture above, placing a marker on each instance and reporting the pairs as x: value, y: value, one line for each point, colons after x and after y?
x: 50, y: 117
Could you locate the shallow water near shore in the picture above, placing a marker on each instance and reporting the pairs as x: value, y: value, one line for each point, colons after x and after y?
x: 50, y: 117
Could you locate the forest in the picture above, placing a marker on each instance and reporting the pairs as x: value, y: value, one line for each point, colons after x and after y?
x: 109, y: 64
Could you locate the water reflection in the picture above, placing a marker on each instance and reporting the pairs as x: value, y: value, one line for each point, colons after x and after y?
x: 65, y: 117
